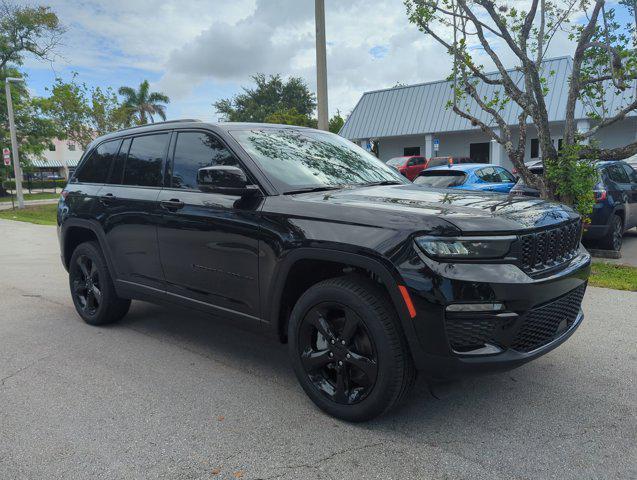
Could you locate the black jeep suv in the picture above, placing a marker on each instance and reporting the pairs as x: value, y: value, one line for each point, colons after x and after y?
x: 303, y: 234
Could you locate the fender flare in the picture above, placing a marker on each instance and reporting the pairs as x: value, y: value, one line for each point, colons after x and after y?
x: 96, y: 228
x: 383, y: 269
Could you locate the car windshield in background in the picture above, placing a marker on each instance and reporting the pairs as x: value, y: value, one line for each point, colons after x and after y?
x: 306, y: 159
x: 396, y: 161
x: 440, y: 179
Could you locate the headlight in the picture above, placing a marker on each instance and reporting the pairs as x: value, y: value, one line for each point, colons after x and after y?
x: 465, y: 247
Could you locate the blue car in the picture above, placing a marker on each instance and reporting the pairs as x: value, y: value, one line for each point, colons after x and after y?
x: 468, y: 176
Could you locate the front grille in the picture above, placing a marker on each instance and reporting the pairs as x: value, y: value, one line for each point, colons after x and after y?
x: 543, y: 324
x: 522, y: 332
x: 549, y: 248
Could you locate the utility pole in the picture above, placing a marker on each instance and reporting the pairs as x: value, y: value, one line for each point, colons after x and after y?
x: 321, y: 65
x: 17, y: 171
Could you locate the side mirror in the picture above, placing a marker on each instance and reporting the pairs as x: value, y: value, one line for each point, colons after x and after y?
x: 225, y: 179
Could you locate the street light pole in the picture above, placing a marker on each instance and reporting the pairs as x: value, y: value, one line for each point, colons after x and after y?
x: 17, y: 171
x: 321, y: 65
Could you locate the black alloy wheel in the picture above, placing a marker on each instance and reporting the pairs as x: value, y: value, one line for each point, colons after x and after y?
x: 617, y: 233
x: 92, y: 289
x: 337, y: 353
x: 86, y: 285
x: 348, y: 349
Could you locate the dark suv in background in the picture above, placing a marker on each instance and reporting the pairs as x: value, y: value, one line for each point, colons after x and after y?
x: 304, y: 235
x: 615, y: 209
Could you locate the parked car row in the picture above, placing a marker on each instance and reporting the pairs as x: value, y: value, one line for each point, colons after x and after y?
x: 411, y: 165
x: 615, y: 209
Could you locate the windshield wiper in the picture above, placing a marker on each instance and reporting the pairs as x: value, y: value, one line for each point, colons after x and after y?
x: 324, y: 188
x: 384, y: 182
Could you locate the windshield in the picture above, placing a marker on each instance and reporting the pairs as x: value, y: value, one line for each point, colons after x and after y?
x: 440, y: 179
x: 396, y: 161
x: 438, y: 162
x: 304, y: 159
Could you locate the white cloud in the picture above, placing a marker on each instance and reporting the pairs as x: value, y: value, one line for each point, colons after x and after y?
x: 201, y: 50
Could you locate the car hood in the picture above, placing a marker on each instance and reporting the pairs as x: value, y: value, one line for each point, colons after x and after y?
x: 470, y: 211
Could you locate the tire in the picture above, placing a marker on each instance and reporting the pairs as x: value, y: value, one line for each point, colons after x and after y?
x: 614, y: 237
x: 92, y: 288
x: 367, y: 375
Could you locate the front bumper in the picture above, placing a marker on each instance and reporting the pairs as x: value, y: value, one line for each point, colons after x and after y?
x: 536, y: 314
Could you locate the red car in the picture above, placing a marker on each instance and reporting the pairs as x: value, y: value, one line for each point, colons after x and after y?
x: 409, y: 166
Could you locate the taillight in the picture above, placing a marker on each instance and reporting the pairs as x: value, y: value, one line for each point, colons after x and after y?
x: 600, y: 195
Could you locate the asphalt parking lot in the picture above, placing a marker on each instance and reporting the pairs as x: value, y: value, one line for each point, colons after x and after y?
x: 169, y: 394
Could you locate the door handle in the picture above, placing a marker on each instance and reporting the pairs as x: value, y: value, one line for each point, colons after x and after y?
x: 107, y: 199
x: 172, y: 204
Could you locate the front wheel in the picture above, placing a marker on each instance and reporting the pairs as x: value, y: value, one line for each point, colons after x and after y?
x: 92, y: 287
x: 347, y: 349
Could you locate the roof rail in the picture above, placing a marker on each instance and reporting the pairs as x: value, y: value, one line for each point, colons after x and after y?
x: 181, y: 120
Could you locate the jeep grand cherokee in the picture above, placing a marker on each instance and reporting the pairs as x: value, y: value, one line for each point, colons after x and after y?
x: 367, y: 277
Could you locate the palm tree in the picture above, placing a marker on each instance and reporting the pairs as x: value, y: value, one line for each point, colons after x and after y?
x: 142, y: 104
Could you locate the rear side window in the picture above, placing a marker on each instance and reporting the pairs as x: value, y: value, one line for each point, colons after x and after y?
x: 195, y: 150
x: 617, y: 174
x: 95, y: 169
x: 630, y: 171
x: 145, y: 159
x: 117, y: 172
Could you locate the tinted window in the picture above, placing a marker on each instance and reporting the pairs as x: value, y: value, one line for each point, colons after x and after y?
x: 95, y: 168
x: 145, y: 159
x: 195, y: 150
x: 630, y: 171
x: 617, y: 174
x: 440, y: 179
x: 117, y: 171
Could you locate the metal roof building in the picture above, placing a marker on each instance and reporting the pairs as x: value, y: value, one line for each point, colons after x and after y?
x: 414, y: 119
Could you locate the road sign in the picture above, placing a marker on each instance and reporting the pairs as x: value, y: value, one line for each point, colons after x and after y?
x: 6, y: 155
x: 436, y: 144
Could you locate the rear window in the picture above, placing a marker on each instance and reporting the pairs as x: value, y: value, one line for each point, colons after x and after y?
x: 145, y: 159
x: 438, y: 162
x: 95, y: 168
x: 465, y: 160
x: 396, y: 161
x: 440, y: 179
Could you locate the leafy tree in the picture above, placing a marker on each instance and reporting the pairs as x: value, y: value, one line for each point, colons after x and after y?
x: 604, y: 69
x: 27, y: 30
x: 336, y: 122
x: 81, y: 113
x: 33, y: 129
x: 291, y: 117
x: 271, y: 96
x: 142, y: 104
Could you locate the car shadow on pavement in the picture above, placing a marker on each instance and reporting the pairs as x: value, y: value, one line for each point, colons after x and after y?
x: 468, y: 411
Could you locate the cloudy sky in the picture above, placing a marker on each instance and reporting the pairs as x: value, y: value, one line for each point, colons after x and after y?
x: 198, y: 51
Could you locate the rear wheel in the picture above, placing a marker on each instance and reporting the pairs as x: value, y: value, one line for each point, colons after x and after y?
x: 347, y: 350
x: 92, y: 287
x: 614, y: 238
